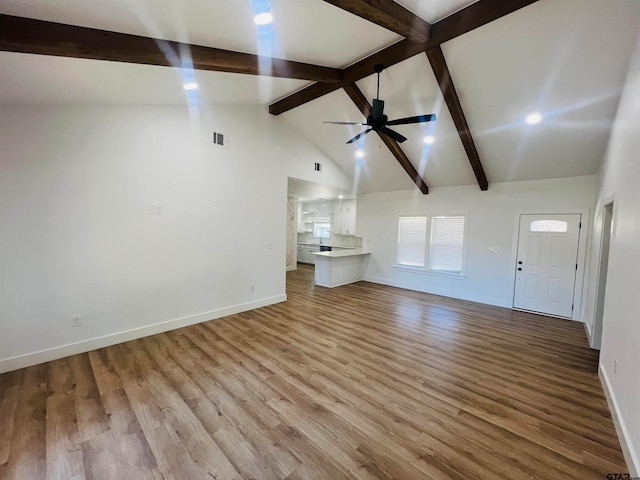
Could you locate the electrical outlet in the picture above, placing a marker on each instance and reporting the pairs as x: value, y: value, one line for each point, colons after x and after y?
x: 76, y: 321
x: 252, y: 288
x: 615, y: 366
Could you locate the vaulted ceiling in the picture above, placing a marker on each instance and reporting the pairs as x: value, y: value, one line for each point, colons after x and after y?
x: 481, y: 67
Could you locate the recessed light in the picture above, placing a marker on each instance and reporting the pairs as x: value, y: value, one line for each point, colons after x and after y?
x: 263, y: 18
x: 340, y: 197
x: 428, y: 139
x: 534, y: 118
x: 359, y: 153
x: 190, y: 85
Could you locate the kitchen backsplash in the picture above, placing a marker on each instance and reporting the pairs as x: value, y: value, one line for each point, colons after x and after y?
x: 335, y: 240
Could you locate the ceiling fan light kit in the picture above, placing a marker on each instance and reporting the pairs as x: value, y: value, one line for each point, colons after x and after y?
x: 379, y: 122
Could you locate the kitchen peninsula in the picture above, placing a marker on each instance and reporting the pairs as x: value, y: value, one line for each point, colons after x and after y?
x: 340, y: 267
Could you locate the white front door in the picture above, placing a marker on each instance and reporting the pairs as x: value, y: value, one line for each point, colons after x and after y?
x: 546, y: 264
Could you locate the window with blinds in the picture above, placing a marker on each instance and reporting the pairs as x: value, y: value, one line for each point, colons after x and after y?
x: 447, y: 243
x: 412, y: 241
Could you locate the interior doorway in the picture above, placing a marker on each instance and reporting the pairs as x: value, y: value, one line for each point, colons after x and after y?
x: 607, y: 225
x: 301, y: 225
x: 547, y: 262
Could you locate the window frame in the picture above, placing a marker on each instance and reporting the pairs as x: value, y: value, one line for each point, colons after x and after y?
x: 321, y: 224
x: 427, y: 270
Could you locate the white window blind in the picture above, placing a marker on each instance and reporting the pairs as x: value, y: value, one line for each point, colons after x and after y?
x: 447, y: 243
x: 412, y: 241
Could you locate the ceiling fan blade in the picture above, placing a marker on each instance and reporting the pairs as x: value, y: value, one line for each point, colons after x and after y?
x: 378, y: 108
x: 416, y: 119
x: 346, y: 123
x: 362, y: 134
x: 395, y: 135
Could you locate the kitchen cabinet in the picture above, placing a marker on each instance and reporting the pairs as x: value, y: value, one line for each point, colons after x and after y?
x: 344, y: 217
x: 305, y: 255
x: 344, y: 206
x: 344, y: 223
x: 339, y: 268
x: 311, y: 258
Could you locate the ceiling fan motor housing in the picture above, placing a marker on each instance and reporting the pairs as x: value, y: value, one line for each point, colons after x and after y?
x: 377, y: 123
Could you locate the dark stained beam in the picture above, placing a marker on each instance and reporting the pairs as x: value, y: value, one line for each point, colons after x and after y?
x: 358, y: 98
x: 25, y: 35
x: 474, y: 16
x: 467, y: 19
x: 443, y: 76
x: 388, y: 14
x: 389, y: 56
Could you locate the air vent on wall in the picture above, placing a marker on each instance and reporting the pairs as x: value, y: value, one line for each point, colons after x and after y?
x: 317, y: 167
x: 220, y: 140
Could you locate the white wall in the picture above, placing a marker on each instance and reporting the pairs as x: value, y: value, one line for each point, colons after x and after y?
x: 77, y: 238
x: 620, y: 181
x: 492, y: 222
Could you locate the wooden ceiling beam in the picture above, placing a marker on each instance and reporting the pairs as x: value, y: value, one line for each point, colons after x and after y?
x: 388, y: 14
x: 25, y: 35
x: 358, y: 98
x: 461, y: 22
x: 443, y: 77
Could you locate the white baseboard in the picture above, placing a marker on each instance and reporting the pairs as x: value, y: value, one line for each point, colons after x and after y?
x: 34, y: 358
x: 436, y: 291
x: 587, y: 328
x: 623, y: 433
x: 292, y: 267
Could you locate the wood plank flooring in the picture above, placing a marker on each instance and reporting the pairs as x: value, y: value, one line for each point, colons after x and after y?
x: 361, y: 381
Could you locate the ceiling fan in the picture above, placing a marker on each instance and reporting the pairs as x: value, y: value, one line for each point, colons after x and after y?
x: 378, y: 121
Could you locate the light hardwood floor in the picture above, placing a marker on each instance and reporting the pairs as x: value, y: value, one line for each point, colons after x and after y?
x: 361, y: 381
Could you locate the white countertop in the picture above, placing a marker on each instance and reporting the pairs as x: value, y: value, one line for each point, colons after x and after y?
x: 341, y: 253
x: 326, y: 245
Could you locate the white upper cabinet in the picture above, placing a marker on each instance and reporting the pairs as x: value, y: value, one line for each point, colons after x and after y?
x: 344, y: 206
x: 344, y: 217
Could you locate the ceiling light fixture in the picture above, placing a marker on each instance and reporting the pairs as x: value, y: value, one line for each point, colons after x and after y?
x: 534, y: 118
x: 359, y: 153
x: 190, y: 85
x: 340, y: 197
x: 428, y: 139
x: 263, y: 18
